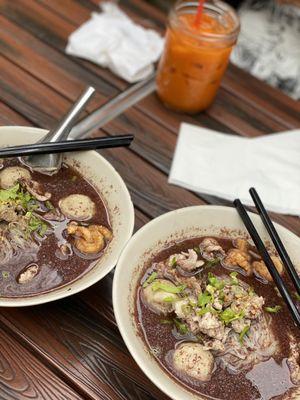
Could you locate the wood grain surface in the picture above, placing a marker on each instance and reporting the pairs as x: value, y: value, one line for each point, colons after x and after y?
x: 71, y: 349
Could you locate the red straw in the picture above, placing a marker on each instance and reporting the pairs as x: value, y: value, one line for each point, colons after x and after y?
x: 199, y: 13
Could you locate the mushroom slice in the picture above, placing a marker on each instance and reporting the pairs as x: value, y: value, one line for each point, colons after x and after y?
x: 193, y: 360
x: 78, y: 207
x: 158, y: 300
x: 11, y: 175
x: 36, y: 189
x: 28, y: 274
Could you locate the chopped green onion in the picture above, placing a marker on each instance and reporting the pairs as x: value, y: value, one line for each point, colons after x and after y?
x: 243, y: 333
x: 35, y: 224
x: 32, y: 205
x: 211, y: 263
x: 74, y: 178
x: 166, y: 321
x: 229, y: 315
x: 43, y: 229
x: 181, y: 327
x: 9, y: 194
x: 215, y: 282
x: 205, y: 310
x: 169, y: 299
x: 274, y: 309
x: 173, y: 262
x: 150, y: 279
x: 5, y: 274
x: 221, y: 295
x: 234, y: 279
x: 297, y: 296
x: 238, y: 291
x: 192, y: 303
x: 186, y: 309
x: 210, y: 289
x: 49, y: 205
x: 197, y: 250
x: 203, y: 299
x: 167, y: 288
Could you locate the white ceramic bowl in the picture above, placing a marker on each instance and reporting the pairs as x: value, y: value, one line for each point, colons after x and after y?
x: 148, y: 241
x: 116, y: 198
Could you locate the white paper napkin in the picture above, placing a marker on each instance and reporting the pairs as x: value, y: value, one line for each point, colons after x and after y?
x: 226, y: 166
x: 111, y: 39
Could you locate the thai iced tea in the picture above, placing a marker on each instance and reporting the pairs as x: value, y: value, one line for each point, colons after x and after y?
x: 195, y: 55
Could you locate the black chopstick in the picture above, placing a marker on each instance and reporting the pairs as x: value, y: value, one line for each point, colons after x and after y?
x: 276, y: 240
x: 268, y: 261
x: 66, y: 146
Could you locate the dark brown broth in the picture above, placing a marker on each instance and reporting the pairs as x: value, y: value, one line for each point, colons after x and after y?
x: 266, y: 380
x: 53, y: 271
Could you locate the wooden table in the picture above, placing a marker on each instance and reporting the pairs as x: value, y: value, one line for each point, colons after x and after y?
x: 71, y: 349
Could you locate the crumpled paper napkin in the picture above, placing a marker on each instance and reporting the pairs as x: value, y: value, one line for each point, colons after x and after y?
x: 112, y: 40
x: 226, y: 166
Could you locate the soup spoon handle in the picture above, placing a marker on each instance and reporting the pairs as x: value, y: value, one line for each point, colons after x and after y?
x: 50, y: 163
x: 62, y: 130
x: 113, y: 108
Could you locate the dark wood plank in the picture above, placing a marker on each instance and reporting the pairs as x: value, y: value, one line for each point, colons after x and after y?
x: 15, y: 49
x: 9, y: 117
x: 24, y: 94
x: 272, y: 102
x: 82, y: 347
x: 23, y: 377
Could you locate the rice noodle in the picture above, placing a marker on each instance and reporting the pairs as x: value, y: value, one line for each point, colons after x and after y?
x: 294, y: 360
x: 14, y: 241
x: 258, y: 346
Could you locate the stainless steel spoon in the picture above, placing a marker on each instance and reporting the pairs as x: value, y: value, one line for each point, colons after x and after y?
x: 49, y: 164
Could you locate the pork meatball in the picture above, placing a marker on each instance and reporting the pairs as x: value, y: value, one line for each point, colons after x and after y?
x: 11, y: 175
x: 77, y: 207
x: 261, y: 269
x: 193, y: 360
x: 159, y: 301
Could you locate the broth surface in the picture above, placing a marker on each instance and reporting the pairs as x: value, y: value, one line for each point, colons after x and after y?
x: 265, y: 380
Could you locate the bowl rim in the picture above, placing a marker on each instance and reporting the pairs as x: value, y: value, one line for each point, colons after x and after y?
x: 53, y: 295
x: 116, y: 303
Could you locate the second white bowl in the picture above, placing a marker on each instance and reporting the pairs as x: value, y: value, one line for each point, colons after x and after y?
x: 148, y: 241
